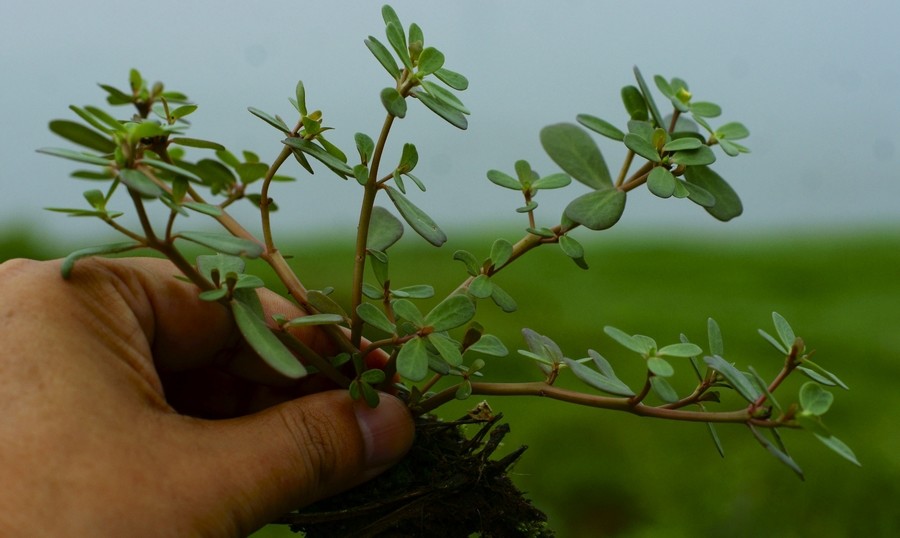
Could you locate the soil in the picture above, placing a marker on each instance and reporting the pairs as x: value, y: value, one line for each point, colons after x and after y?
x: 447, y: 487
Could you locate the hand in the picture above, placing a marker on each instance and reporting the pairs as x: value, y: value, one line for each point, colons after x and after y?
x: 102, y: 380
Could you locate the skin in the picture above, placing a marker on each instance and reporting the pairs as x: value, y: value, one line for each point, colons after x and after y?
x: 120, y: 414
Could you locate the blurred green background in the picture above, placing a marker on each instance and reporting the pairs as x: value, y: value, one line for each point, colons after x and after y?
x: 600, y: 473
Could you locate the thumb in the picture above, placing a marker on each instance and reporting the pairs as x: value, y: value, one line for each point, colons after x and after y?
x: 301, y: 451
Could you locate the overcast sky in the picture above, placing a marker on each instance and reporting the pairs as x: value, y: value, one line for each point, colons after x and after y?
x: 816, y: 83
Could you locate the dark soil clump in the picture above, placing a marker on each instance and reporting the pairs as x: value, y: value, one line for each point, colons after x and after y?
x: 446, y: 487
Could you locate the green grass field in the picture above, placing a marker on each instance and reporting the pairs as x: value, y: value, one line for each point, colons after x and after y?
x: 598, y: 473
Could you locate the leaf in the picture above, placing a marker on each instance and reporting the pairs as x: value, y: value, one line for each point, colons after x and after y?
x: 481, y: 287
x: 397, y: 39
x: 813, y: 368
x: 642, y: 147
x: 701, y: 156
x: 597, y: 210
x: 264, y: 342
x: 206, y: 209
x: 714, y: 336
x: 663, y: 389
x: 137, y: 180
x: 627, y: 340
x: 445, y: 95
x: 782, y: 456
x: 489, y: 345
x: 775, y: 343
x: 501, y: 252
x: 450, y: 313
x: 75, y: 156
x: 300, y: 95
x: 573, y: 150
x: 417, y: 219
x: 600, y: 126
x: 452, y: 79
x: 338, y: 166
x: 661, y: 182
x: 196, y: 143
x: 409, y: 158
x: 839, y: 448
x: 598, y: 380
x: 728, y: 205
x: 680, y: 350
x: 177, y: 170
x: 113, y: 248
x: 83, y: 136
x: 446, y: 347
x: 384, y: 229
x: 442, y: 109
x: 732, y: 131
x: 571, y: 247
x: 384, y: 57
x: 634, y: 102
x: 372, y: 315
x: 705, y: 109
x: 738, y: 380
x: 553, y: 181
x: 315, y: 319
x: 430, y: 60
x: 681, y: 144
x: 468, y: 259
x: 277, y: 123
x: 814, y: 399
x: 645, y: 92
x: 784, y: 330
x: 365, y: 146
x: 699, y: 195
x: 412, y: 360
x: 504, y: 180
x: 419, y: 291
x: 503, y: 299
x: 660, y: 366
x: 393, y: 102
x: 408, y: 311
x: 226, y: 244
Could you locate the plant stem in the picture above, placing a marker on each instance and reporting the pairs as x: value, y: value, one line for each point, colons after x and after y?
x: 264, y: 198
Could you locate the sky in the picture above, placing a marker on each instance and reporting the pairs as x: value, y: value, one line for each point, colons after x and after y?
x: 815, y: 82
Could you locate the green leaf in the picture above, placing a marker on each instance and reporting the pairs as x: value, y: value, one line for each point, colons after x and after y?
x: 714, y: 335
x: 728, y: 205
x: 397, y: 39
x: 481, y: 287
x: 450, y: 313
x: 264, y: 342
x: 660, y: 367
x: 598, y: 380
x: 811, y: 368
x: 113, y: 248
x: 315, y: 319
x: 277, y: 123
x: 625, y: 339
x: 839, y: 448
x: 430, y: 60
x: 409, y: 158
x: 571, y: 247
x: 226, y: 244
x: 782, y: 456
x: 663, y: 389
x: 300, y: 95
x: 446, y: 347
x: 701, y: 156
x: 732, y: 131
x: 412, y: 360
x: 452, y: 79
x: 372, y: 315
x: 384, y: 57
x: 706, y: 109
x: 83, y: 136
x: 417, y: 219
x: 324, y: 304
x: 336, y: 165
x: 103, y: 117
x: 645, y: 92
x: 715, y: 437
x: 408, y: 311
x: 418, y: 291
x: 553, y: 181
x: 445, y: 95
x: 442, y: 109
x: 489, y: 345
x: 384, y: 229
x: 699, y: 195
x: 600, y: 126
x: 116, y: 96
x: 75, y: 156
x: 814, y: 399
x: 634, y: 102
x: 775, y: 343
x: 680, y: 144
x: 642, y: 147
x: 784, y: 330
x: 504, y: 180
x: 206, y: 209
x: 469, y: 260
x: 680, y: 350
x: 139, y: 181
x: 597, y: 210
x: 196, y: 143
x: 501, y: 252
x: 503, y: 299
x: 177, y: 170
x: 365, y: 146
x: 393, y: 102
x: 661, y: 182
x: 738, y: 380
x: 573, y: 150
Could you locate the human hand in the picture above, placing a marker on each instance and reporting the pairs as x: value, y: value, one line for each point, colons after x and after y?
x: 102, y: 380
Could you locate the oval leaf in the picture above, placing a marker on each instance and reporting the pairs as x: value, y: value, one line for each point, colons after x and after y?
x: 597, y: 210
x: 372, y: 315
x: 384, y: 229
x: 446, y: 347
x: 685, y: 349
x: 417, y: 219
x: 728, y: 204
x: 573, y: 150
x: 731, y: 374
x: 597, y: 380
x: 412, y: 360
x: 600, y: 126
x: 450, y: 313
x: 83, y: 136
x: 661, y: 182
x: 226, y: 244
x: 393, y: 102
x: 264, y: 342
x: 814, y: 399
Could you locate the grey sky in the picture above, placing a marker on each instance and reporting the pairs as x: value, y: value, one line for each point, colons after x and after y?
x: 816, y: 83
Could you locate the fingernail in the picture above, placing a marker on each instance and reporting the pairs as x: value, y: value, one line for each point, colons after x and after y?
x: 387, y: 431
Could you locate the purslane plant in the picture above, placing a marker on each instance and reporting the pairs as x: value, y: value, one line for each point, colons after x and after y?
x: 143, y: 155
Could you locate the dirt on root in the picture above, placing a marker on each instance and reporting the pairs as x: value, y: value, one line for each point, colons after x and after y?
x: 447, y: 487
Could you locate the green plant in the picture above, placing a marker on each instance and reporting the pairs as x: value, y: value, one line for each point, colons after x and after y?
x: 437, y: 353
